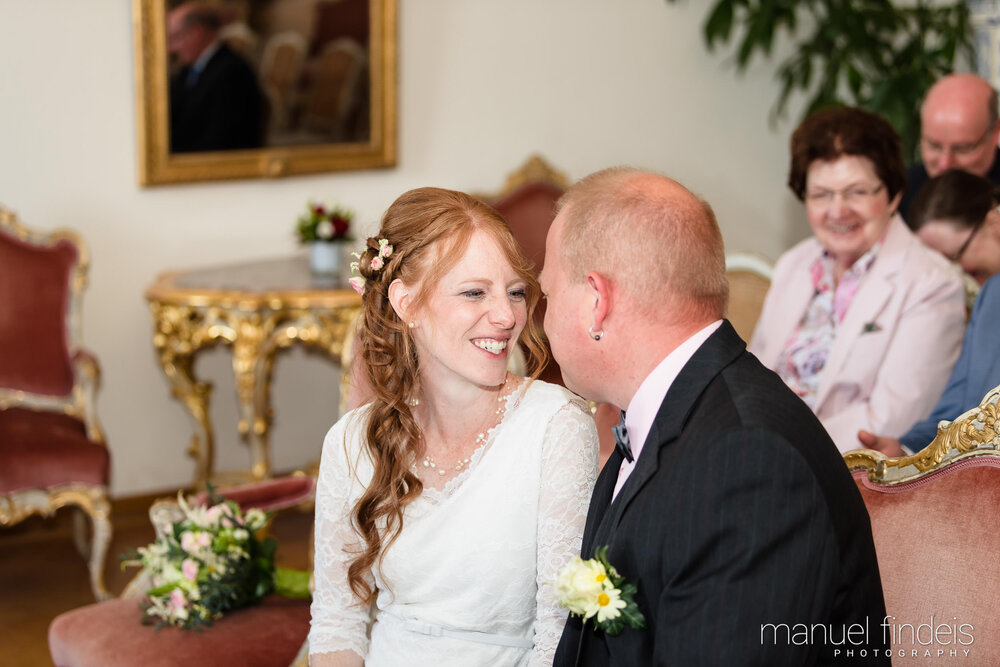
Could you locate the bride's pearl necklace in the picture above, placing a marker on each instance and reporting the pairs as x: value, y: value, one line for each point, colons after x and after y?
x: 431, y: 464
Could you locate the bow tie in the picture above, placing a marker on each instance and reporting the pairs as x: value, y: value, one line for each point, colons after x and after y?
x: 621, y: 439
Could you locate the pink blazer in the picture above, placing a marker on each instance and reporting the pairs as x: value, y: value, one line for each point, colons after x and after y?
x: 895, y: 347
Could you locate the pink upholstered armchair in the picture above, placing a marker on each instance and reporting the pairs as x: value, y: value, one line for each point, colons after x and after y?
x: 937, y: 534
x: 52, y: 450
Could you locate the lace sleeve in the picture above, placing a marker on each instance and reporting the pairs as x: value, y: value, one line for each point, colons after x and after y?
x: 568, y: 473
x: 339, y: 620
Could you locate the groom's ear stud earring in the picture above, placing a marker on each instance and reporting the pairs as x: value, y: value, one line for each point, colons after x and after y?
x: 596, y: 335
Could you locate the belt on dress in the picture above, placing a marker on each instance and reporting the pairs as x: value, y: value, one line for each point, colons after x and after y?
x: 434, y: 630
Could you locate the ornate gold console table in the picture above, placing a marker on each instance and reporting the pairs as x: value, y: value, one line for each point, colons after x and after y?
x: 257, y: 308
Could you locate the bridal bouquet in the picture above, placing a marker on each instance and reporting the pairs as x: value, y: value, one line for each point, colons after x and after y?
x: 210, y: 562
x: 593, y: 589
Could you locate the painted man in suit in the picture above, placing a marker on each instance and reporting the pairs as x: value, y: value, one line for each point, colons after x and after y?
x: 735, y: 516
x: 215, y: 101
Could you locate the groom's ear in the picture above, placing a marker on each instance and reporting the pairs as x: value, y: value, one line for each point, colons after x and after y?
x: 599, y: 288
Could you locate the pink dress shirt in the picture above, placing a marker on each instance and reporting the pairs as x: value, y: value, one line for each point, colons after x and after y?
x: 646, y: 403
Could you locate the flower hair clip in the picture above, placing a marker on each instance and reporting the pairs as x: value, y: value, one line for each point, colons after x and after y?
x: 377, y: 262
x: 384, y: 251
x: 358, y: 281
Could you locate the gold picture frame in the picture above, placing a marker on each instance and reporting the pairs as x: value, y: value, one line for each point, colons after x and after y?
x: 158, y: 165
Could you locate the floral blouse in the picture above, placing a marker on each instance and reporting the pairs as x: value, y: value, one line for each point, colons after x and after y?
x: 801, y: 362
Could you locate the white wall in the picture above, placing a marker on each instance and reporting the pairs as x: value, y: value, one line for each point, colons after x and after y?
x: 587, y: 83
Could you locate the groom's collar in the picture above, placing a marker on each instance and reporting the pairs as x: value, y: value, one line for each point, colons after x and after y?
x: 717, y: 352
x: 642, y: 409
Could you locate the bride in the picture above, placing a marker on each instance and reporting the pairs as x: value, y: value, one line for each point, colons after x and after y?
x: 446, y: 503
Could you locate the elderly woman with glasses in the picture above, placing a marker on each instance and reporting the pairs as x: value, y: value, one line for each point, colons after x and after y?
x: 862, y: 320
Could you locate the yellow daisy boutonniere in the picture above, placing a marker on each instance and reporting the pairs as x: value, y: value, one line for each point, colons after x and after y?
x: 592, y: 589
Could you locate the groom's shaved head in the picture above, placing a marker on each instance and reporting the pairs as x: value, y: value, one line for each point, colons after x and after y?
x: 652, y: 236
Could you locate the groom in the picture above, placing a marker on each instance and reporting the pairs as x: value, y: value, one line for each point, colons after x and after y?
x: 736, y: 517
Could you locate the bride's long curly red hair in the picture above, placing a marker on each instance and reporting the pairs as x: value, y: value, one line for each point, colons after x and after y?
x: 429, y: 230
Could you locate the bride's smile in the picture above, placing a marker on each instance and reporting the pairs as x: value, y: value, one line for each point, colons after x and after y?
x: 472, y: 317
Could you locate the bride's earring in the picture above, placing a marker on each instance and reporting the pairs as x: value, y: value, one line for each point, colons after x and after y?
x: 596, y: 335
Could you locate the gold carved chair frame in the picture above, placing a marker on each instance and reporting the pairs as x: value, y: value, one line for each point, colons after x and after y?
x: 974, y: 433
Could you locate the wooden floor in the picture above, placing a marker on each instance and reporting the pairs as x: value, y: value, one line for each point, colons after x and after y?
x: 42, y: 574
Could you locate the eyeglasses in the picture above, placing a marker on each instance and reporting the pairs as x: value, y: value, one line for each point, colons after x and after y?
x: 852, y: 195
x: 957, y: 257
x: 934, y: 148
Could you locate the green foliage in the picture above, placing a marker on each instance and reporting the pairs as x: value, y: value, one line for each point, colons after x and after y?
x: 866, y: 53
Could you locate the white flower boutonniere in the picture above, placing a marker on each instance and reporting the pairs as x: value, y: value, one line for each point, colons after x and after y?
x: 592, y: 588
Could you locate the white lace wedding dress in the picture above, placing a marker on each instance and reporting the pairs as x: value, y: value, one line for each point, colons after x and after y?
x: 465, y: 582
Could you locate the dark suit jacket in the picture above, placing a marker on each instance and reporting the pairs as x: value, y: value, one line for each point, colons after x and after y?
x: 222, y: 110
x: 739, y: 513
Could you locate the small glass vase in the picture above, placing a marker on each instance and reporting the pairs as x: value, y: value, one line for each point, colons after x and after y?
x: 325, y: 257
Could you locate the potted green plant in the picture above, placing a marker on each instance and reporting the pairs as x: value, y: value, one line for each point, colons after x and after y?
x: 325, y: 228
x: 867, y: 53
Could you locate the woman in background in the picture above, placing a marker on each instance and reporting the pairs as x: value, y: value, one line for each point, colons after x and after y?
x: 862, y: 320
x: 446, y: 502
x: 956, y: 214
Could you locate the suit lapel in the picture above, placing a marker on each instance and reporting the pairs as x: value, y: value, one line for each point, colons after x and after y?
x: 599, y: 501
x: 721, y: 348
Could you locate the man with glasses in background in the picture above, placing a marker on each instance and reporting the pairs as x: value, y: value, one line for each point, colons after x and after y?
x: 956, y: 214
x: 959, y: 128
